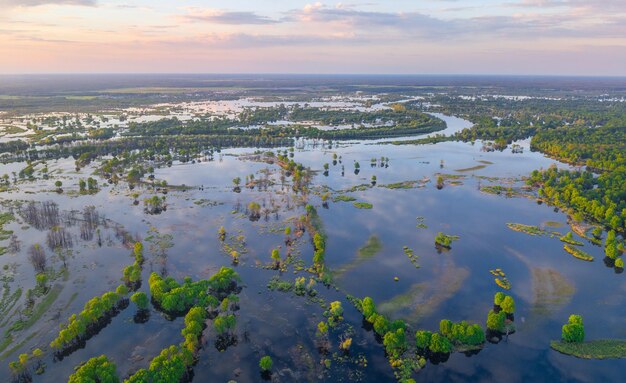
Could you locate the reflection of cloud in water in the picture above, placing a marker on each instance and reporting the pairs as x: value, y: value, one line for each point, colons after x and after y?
x: 423, y: 299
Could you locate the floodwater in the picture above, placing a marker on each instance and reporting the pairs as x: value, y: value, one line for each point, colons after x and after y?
x: 547, y: 283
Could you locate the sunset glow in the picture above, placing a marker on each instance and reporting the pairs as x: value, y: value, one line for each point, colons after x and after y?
x: 572, y: 37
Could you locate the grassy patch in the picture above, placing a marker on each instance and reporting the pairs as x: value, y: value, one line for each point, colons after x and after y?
x: 551, y: 290
x: 570, y: 240
x: 400, y: 185
x: 526, y: 229
x: 595, y: 349
x: 13, y: 130
x: 553, y: 224
x: 576, y: 252
x: 363, y: 205
x: 39, y: 310
x: 423, y: 299
x: 412, y: 257
x: 356, y: 188
x: 344, y: 198
x: 371, y: 248
x: 473, y: 168
x: 17, y: 346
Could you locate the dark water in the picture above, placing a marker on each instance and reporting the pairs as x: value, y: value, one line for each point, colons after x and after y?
x: 455, y: 285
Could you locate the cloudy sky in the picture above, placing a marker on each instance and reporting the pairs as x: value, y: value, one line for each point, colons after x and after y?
x: 569, y: 37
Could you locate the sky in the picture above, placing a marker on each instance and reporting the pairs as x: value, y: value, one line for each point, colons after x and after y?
x: 526, y: 37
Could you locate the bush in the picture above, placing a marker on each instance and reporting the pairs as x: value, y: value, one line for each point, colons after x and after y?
x: 574, y: 330
x: 140, y: 299
x: 498, y: 298
x: 440, y: 344
x: 508, y: 305
x: 266, y: 363
x: 422, y: 339
x: 495, y: 321
x: 98, y: 369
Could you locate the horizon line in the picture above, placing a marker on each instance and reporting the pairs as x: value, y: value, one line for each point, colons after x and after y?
x: 314, y: 74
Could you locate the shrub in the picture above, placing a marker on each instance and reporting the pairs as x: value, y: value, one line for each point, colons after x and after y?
x: 422, y: 339
x: 140, y: 299
x: 574, y: 330
x: 439, y: 344
x: 266, y: 363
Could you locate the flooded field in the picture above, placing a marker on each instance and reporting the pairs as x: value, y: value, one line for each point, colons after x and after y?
x: 380, y: 207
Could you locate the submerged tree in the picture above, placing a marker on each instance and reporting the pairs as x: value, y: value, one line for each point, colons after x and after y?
x: 37, y: 257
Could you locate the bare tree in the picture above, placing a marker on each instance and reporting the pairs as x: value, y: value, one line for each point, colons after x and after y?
x: 59, y: 237
x: 37, y: 257
x: 14, y: 244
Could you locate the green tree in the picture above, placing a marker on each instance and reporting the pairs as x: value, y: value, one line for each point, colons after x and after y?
x: 574, y: 330
x: 498, y: 298
x: 266, y: 363
x: 508, y: 305
x: 422, y: 339
x: 97, y: 370
x: 276, y: 257
x: 440, y: 344
x: 140, y: 299
x: 495, y: 321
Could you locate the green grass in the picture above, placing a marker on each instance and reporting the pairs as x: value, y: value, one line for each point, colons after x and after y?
x: 571, y: 241
x: 400, y: 185
x: 12, y: 130
x: 6, y: 218
x: 17, y: 346
x: 477, y: 167
x: 595, y: 349
x: 371, y: 248
x: 578, y: 253
x: 526, y: 229
x: 363, y: 205
x: 40, y: 309
x: 344, y: 198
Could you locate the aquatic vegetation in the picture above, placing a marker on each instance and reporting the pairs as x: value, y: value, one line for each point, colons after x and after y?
x: 593, y: 349
x: 371, y: 248
x: 503, y: 282
x: 21, y: 368
x: 526, y: 229
x: 497, y: 272
x: 568, y: 238
x: 281, y: 285
x: 334, y: 313
x: 412, y: 257
x: 344, y: 198
x: 551, y: 290
x: 400, y: 185
x: 444, y: 240
x: 422, y: 299
x: 363, y: 205
x: 471, y: 169
x: 578, y: 253
x: 420, y: 223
